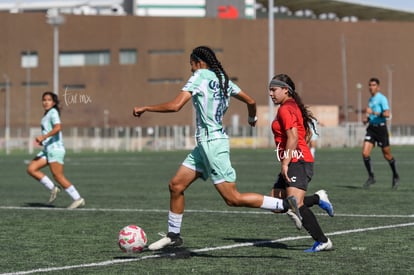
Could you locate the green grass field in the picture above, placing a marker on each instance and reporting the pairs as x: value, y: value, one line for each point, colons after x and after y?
x: 372, y: 230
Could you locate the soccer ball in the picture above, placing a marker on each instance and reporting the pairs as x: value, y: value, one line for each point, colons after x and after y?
x: 132, y: 239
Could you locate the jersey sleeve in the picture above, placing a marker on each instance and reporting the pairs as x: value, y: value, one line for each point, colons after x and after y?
x: 384, y: 104
x: 192, y: 82
x: 233, y: 88
x: 54, y: 117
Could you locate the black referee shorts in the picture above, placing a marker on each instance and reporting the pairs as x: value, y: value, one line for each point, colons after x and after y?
x: 377, y: 134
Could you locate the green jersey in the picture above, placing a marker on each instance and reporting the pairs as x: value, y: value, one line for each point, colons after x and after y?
x: 49, y: 120
x: 210, y: 103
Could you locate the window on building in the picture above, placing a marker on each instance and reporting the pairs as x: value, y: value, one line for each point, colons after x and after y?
x: 74, y: 87
x: 35, y: 83
x: 127, y: 56
x: 88, y: 58
x: 29, y: 59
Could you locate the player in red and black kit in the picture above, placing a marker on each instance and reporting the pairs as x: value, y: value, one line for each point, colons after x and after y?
x: 291, y: 132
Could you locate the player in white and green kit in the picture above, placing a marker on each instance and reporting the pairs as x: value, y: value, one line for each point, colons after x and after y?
x: 210, y: 90
x: 53, y: 153
x: 210, y: 105
x: 53, y: 148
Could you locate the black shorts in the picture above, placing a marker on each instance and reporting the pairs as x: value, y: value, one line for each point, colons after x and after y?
x: 299, y: 172
x: 377, y: 134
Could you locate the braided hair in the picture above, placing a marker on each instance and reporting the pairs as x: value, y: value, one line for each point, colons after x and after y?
x: 207, y: 55
x: 308, y: 118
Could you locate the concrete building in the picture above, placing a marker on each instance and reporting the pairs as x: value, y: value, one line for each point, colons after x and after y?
x: 109, y: 63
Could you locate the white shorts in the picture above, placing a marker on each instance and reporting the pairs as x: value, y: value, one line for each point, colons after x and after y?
x: 52, y: 155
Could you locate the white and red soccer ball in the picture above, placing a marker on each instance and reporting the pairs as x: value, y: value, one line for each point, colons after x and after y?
x: 132, y: 239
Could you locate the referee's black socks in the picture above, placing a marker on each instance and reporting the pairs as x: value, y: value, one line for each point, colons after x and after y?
x: 393, y: 168
x: 368, y: 165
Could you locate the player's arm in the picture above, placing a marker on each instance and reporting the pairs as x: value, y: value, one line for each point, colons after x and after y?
x: 56, y: 129
x: 174, y: 105
x: 251, y: 106
x: 291, y: 145
x: 385, y: 113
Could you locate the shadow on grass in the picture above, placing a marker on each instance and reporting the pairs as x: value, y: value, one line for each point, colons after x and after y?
x: 203, y: 255
x: 38, y: 204
x: 267, y: 243
x: 166, y: 253
x: 125, y: 257
x: 352, y: 187
x: 259, y: 242
x: 183, y: 253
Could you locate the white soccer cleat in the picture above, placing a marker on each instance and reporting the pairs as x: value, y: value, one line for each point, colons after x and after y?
x: 324, y: 202
x: 171, y: 239
x: 318, y: 246
x: 77, y: 203
x: 53, y: 194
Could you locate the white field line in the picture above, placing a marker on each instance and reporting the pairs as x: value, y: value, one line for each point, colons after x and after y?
x: 206, y: 249
x: 192, y: 211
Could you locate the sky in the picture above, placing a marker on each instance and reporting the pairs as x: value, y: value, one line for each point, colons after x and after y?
x: 402, y: 5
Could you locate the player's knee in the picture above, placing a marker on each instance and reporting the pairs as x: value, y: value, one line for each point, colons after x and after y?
x: 232, y: 201
x: 31, y: 170
x: 175, y: 186
x: 388, y: 157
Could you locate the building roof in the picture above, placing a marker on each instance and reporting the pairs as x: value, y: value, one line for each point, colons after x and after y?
x: 343, y: 9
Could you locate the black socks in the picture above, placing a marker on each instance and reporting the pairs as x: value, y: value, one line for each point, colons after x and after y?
x: 393, y: 168
x: 311, y: 200
x: 368, y: 165
x: 310, y: 223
